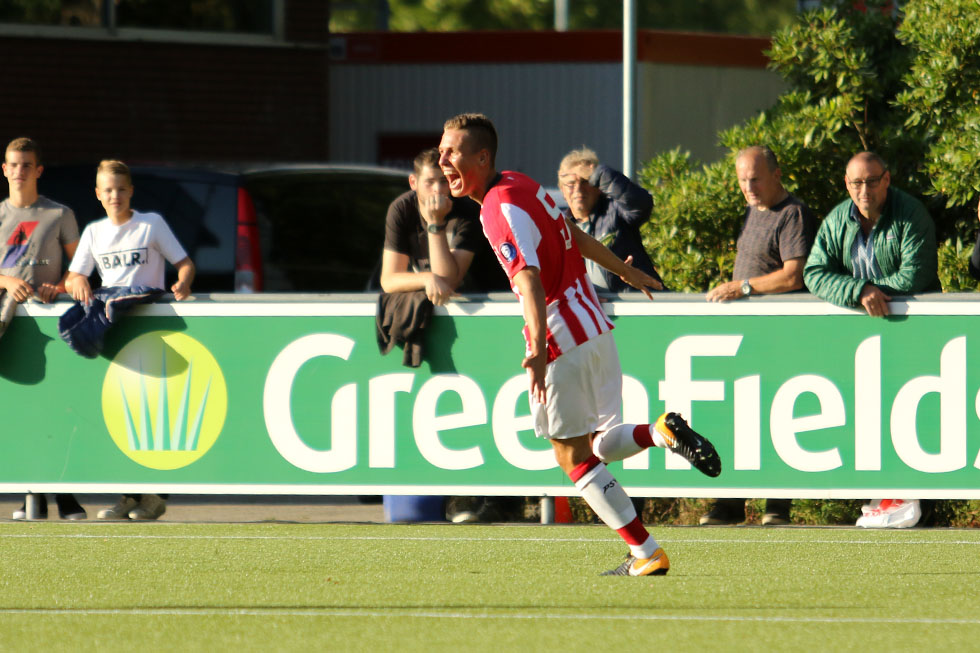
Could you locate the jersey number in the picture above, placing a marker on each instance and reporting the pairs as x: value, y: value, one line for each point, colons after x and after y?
x: 555, y: 213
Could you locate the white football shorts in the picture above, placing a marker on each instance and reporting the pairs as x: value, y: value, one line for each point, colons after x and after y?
x: 584, y: 391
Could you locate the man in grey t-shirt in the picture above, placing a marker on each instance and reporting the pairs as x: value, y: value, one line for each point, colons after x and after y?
x: 772, y: 250
x: 776, y: 236
x: 34, y: 233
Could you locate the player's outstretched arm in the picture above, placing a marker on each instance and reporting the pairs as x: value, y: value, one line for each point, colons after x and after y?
x: 593, y: 250
x: 528, y: 284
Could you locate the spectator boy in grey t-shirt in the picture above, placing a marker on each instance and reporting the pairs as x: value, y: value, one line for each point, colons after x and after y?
x: 34, y: 233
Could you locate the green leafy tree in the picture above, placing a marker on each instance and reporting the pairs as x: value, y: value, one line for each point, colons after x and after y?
x: 736, y: 16
x: 458, y: 15
x: 30, y: 11
x: 941, y: 110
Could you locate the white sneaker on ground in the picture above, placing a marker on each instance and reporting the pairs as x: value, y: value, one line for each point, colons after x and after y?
x: 120, y: 510
x: 465, y: 517
x: 890, y: 513
x: 151, y: 506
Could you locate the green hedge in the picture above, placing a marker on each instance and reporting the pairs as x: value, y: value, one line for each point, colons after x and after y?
x: 906, y: 86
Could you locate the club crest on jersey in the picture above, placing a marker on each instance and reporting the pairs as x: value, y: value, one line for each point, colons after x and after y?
x: 508, y: 252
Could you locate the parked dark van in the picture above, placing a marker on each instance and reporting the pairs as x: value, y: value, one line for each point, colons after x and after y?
x: 286, y: 228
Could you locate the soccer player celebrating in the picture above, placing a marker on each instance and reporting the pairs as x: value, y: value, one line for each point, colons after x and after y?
x: 571, y: 359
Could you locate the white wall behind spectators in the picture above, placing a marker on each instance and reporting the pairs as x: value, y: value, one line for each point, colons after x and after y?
x: 686, y: 106
x: 536, y: 120
x: 547, y: 92
x: 544, y: 109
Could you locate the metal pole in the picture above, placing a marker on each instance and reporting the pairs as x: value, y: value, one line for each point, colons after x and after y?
x: 32, y: 506
x: 561, y: 15
x: 629, y: 86
x: 382, y: 16
x: 110, y: 17
x: 547, y: 510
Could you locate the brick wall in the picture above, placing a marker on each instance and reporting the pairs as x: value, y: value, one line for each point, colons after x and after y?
x: 307, y: 20
x: 149, y: 101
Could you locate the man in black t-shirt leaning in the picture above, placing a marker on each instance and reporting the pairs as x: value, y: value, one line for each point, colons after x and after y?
x: 435, y: 243
x: 432, y: 240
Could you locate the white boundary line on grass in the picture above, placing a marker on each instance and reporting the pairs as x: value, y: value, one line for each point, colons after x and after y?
x: 383, y: 538
x: 431, y: 614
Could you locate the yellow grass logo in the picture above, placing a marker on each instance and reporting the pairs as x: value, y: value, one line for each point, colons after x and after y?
x: 164, y: 400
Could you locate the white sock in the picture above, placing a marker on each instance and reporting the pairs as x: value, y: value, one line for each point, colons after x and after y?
x: 612, y: 505
x: 624, y: 440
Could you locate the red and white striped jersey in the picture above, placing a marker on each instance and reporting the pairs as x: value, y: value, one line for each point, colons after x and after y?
x: 526, y: 229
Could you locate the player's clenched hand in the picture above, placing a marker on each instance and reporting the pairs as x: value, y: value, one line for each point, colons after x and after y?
x: 536, y: 365
x: 639, y: 279
x: 437, y: 290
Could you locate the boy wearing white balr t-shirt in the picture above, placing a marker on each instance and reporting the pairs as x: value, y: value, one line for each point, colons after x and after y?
x: 129, y: 249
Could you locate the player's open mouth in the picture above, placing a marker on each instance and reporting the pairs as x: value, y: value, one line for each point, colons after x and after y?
x: 455, y: 181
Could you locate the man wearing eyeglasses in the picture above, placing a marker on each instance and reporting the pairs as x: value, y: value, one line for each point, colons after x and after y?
x: 879, y: 244
x: 609, y: 207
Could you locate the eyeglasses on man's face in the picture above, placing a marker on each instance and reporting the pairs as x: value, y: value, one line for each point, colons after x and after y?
x: 572, y: 183
x: 870, y: 182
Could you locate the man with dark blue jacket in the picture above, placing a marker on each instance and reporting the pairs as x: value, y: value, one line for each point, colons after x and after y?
x: 609, y: 207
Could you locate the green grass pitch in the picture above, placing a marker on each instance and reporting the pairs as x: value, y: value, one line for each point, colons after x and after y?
x: 353, y: 587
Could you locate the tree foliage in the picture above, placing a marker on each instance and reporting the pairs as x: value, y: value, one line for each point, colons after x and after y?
x: 903, y: 85
x: 735, y: 16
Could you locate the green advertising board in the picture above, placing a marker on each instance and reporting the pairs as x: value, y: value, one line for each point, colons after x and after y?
x: 290, y: 395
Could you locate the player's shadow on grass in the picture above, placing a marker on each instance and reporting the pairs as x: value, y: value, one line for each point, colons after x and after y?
x: 22, y: 357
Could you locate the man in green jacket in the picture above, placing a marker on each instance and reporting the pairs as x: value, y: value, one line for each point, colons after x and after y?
x: 880, y: 243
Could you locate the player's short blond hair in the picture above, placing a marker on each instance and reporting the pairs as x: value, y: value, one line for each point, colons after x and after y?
x: 578, y: 157
x: 480, y: 128
x: 24, y: 144
x: 114, y: 167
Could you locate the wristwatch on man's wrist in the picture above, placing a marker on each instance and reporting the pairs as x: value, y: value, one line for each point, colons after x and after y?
x: 746, y: 288
x: 436, y: 228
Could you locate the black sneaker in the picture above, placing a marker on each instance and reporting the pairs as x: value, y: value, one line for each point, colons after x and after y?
x: 685, y: 441
x: 725, y: 512
x: 777, y: 512
x: 69, y: 508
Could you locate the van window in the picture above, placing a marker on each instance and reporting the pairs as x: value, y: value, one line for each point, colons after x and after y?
x: 322, y: 231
